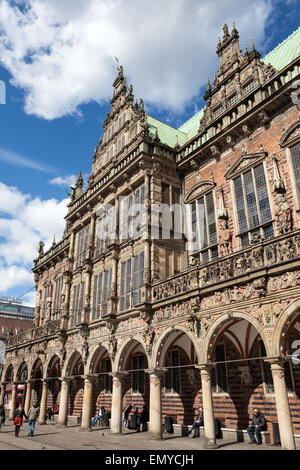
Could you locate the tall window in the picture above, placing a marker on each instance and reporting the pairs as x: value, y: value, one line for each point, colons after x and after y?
x: 108, y: 378
x: 204, y: 229
x: 57, y: 294
x: 106, y: 290
x: 131, y: 214
x: 219, y: 380
x: 97, y: 292
x: 125, y: 285
x: 172, y: 377
x: 295, y: 155
x: 138, y: 374
x: 138, y: 277
x: 101, y: 293
x: 78, y: 294
x: 105, y: 231
x: 47, y: 295
x: 252, y: 205
x: 82, y: 241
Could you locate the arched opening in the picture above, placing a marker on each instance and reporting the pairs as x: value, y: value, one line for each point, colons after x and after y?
x: 8, y: 379
x: 291, y: 349
x: 75, y: 370
x: 21, y: 377
x: 134, y: 360
x: 102, y: 385
x: 53, y: 374
x: 181, y: 386
x: 241, y: 380
x: 36, y: 376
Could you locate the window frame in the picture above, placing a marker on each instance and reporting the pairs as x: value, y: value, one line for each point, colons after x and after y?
x: 262, y: 225
x: 209, y: 246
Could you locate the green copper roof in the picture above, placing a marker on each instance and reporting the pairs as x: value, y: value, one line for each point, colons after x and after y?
x: 279, y: 57
x: 285, y: 52
x: 191, y: 126
x: 166, y: 133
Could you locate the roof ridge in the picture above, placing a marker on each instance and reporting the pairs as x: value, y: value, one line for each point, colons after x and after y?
x: 162, y: 122
x: 192, y: 117
x: 281, y: 43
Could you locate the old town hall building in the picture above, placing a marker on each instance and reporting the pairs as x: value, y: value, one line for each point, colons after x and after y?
x: 176, y: 284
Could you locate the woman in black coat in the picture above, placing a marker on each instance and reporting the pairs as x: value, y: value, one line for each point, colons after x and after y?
x: 18, y: 419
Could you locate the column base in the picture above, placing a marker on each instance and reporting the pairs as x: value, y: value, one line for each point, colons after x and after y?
x: 59, y: 425
x: 41, y: 423
x: 210, y: 445
x: 85, y: 429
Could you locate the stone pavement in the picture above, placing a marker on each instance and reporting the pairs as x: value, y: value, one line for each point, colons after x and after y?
x: 49, y: 437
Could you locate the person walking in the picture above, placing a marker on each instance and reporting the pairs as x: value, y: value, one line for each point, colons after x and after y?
x: 2, y: 416
x: 258, y: 424
x: 18, y: 418
x: 33, y: 414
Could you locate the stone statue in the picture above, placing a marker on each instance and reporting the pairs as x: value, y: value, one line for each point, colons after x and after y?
x: 41, y: 248
x: 283, y: 214
x: 225, y: 238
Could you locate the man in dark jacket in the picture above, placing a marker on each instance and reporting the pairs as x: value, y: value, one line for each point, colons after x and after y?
x: 258, y: 424
x: 199, y: 421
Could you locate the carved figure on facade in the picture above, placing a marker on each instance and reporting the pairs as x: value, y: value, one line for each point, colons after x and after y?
x: 225, y: 238
x: 283, y: 214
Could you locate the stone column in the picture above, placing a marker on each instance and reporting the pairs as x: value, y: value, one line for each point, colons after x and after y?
x: 282, y: 405
x: 207, y: 405
x: 63, y: 405
x: 43, y: 404
x: 155, y: 412
x: 3, y: 390
x: 28, y: 396
x: 87, y: 404
x: 13, y: 400
x: 116, y: 402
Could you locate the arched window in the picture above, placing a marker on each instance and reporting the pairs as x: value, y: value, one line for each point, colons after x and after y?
x: 138, y: 373
x: 172, y: 377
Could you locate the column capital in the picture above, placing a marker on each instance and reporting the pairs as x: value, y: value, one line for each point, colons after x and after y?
x: 276, y: 361
x: 120, y: 375
x: 29, y: 382
x: 89, y: 377
x: 158, y: 372
x: 204, y: 367
x: 65, y: 379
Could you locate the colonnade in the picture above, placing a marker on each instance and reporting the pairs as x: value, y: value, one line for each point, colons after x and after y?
x: 155, y: 409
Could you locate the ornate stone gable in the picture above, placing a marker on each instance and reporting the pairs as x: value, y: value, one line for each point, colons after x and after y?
x: 198, y: 190
x: 290, y: 135
x: 245, y: 162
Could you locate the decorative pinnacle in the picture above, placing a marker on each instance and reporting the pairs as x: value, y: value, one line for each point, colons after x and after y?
x: 252, y: 45
x: 246, y: 50
x: 208, y: 85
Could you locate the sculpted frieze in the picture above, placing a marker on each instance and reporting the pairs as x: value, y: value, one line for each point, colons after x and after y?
x: 285, y: 281
x: 176, y: 310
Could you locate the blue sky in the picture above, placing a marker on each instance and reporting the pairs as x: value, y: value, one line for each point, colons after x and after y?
x: 57, y: 61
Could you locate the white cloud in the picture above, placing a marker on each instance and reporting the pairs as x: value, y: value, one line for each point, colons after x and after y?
x: 64, y: 180
x: 15, y: 158
x: 24, y: 221
x: 62, y: 53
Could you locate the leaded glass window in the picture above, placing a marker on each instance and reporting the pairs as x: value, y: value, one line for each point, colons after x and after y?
x: 252, y: 205
x: 204, y: 228
x: 295, y: 155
